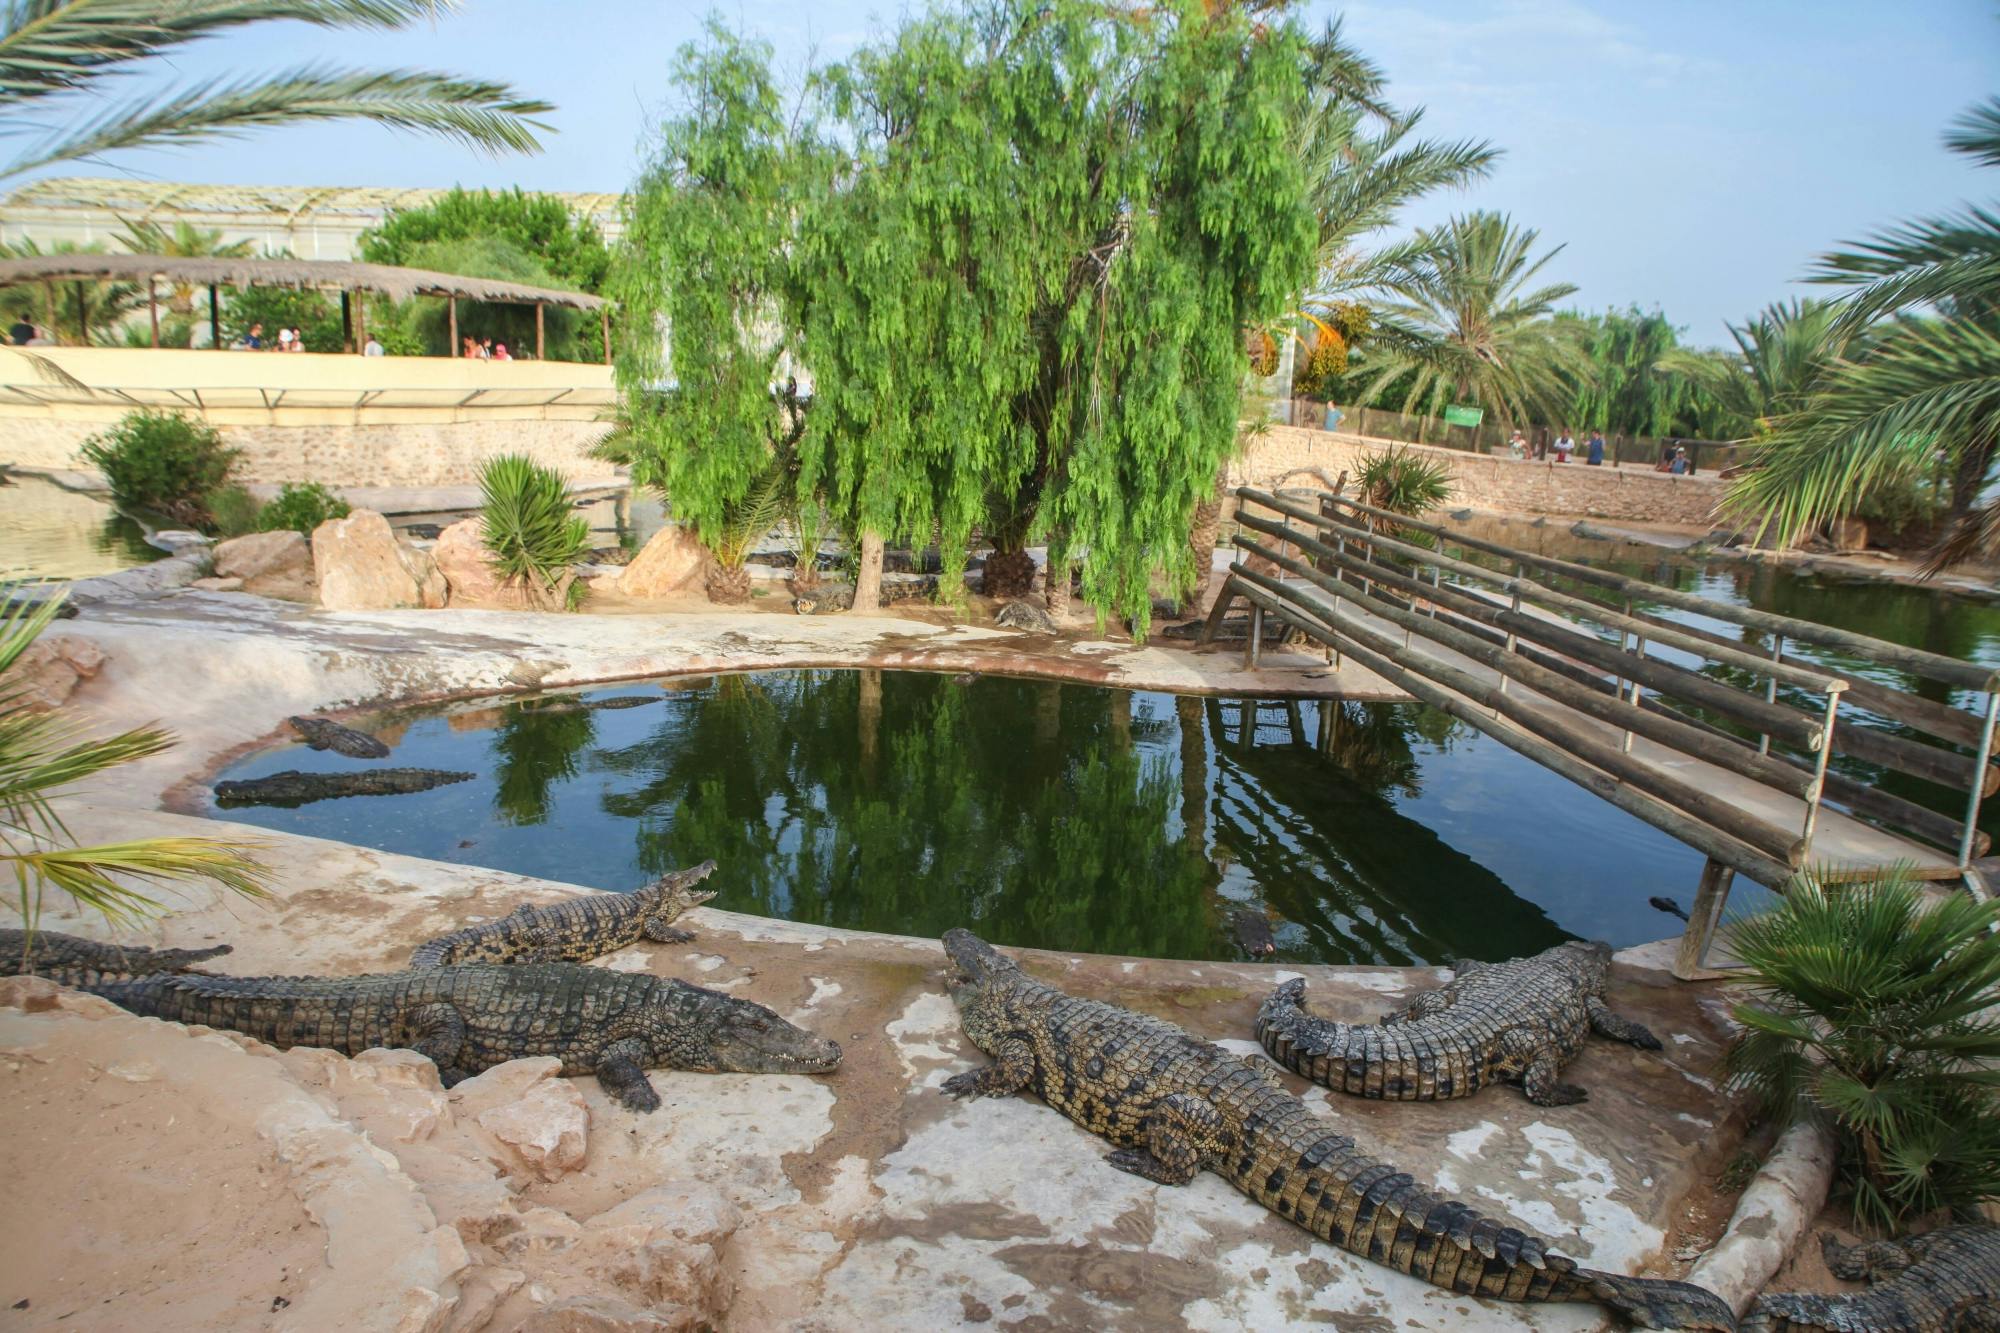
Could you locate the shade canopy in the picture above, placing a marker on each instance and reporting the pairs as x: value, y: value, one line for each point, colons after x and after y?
x: 315, y: 274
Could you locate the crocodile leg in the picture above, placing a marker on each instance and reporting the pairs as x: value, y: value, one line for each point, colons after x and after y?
x: 438, y: 1031
x: 1179, y: 1130
x: 621, y: 1072
x: 1979, y: 1317
x: 1865, y: 1262
x: 1540, y: 1070
x: 1421, y: 1006
x: 661, y: 933
x: 1013, y: 1065
x: 1618, y: 1027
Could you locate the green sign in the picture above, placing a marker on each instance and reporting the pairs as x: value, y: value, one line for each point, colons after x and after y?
x: 1464, y: 416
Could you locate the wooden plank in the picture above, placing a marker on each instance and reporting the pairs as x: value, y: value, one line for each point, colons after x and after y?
x: 1747, y: 860
x: 1715, y: 811
x: 1691, y: 960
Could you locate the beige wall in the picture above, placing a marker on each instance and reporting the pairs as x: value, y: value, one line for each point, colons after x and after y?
x: 1483, y: 482
x: 341, y: 420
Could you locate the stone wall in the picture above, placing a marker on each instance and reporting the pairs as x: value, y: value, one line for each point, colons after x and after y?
x: 1502, y: 484
x: 437, y: 452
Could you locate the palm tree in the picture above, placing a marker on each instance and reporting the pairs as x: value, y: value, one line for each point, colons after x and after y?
x: 1781, y: 354
x: 1922, y: 393
x: 1467, y: 322
x: 40, y: 754
x: 49, y: 48
x: 183, y: 240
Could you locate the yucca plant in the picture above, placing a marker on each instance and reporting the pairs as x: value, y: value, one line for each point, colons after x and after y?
x: 531, y: 529
x: 1869, y: 1006
x: 42, y: 753
x: 727, y: 579
x: 1402, y: 481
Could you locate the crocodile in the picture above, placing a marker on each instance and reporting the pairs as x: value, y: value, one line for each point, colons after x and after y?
x: 1514, y: 1022
x: 1026, y: 617
x: 1944, y: 1281
x: 468, y: 1019
x: 593, y: 705
x: 577, y: 930
x: 820, y: 598
x: 325, y: 734
x: 292, y: 788
x: 1173, y: 1105
x: 78, y: 962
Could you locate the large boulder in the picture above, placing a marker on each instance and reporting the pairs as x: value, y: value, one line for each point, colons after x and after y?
x: 672, y: 562
x: 360, y: 565
x: 271, y: 564
x: 466, y: 564
x: 48, y: 671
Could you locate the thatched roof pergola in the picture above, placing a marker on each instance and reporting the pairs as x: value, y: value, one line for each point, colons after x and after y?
x: 345, y: 277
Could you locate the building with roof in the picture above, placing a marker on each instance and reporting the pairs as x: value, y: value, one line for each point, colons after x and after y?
x: 309, y: 221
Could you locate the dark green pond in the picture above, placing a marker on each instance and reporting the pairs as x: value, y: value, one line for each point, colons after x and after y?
x: 1072, y: 817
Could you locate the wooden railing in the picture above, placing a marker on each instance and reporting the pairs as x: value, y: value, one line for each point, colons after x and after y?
x: 1590, y: 663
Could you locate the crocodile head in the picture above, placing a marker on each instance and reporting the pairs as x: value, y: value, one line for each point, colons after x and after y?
x: 735, y: 1036
x: 1591, y: 960
x: 976, y: 960
x: 677, y: 891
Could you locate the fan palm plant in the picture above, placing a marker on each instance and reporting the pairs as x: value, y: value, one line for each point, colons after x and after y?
x: 1469, y: 320
x: 1871, y: 1008
x: 53, y: 49
x: 1923, y: 393
x: 42, y: 754
x: 531, y: 529
x: 727, y: 579
x: 1402, y: 481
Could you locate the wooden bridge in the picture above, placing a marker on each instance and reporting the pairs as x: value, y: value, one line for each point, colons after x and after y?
x: 1724, y: 743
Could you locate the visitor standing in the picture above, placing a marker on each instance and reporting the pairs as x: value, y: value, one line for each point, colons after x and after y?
x: 1565, y: 446
x: 252, y: 341
x: 485, y: 349
x: 1594, y: 454
x: 1679, y: 467
x: 21, y: 333
x: 372, y: 347
x: 500, y: 352
x: 1333, y: 416
x: 1517, y: 446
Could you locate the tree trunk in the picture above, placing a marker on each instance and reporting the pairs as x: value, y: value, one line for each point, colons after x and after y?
x: 1007, y: 574
x: 726, y: 586
x: 1055, y: 585
x: 869, y: 719
x: 868, y: 576
x: 1201, y: 539
x: 1194, y: 772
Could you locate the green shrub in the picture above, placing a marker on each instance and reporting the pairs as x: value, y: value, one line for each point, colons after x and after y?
x: 1867, y: 1007
x: 301, y: 506
x: 162, y: 462
x: 235, y: 511
x: 530, y: 527
x: 1405, y: 482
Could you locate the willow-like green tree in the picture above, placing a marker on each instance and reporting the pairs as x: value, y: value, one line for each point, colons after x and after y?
x: 1018, y: 286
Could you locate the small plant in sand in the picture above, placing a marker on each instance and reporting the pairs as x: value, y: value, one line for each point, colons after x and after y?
x: 42, y: 754
x: 1869, y: 1005
x: 531, y: 529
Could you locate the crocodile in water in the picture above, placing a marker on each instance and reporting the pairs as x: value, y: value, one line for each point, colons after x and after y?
x: 324, y: 734
x: 616, y: 1025
x: 80, y: 962
x: 1516, y: 1022
x: 1174, y: 1105
x: 573, y: 705
x: 576, y: 930
x: 292, y: 787
x: 1945, y: 1281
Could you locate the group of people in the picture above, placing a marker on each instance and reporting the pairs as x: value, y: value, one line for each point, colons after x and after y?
x: 485, y: 349
x: 292, y: 340
x: 1674, y: 456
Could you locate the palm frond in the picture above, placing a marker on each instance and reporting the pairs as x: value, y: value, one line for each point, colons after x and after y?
x: 528, y: 524
x: 1977, y: 133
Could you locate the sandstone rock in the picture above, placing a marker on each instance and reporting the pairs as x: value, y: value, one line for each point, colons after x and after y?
x: 360, y: 565
x: 271, y: 564
x: 467, y: 567
x: 547, y: 1129
x: 45, y: 675
x: 421, y: 561
x: 665, y: 1247
x: 481, y: 1293
x: 595, y: 1314
x: 217, y: 585
x: 176, y: 540
x: 1848, y: 533
x: 503, y: 1083
x: 672, y: 562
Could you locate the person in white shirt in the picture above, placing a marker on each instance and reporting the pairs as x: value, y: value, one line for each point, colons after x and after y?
x: 1564, y: 447
x: 373, y: 348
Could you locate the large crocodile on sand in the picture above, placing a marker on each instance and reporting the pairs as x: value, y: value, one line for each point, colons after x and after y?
x: 320, y: 733
x: 821, y: 598
x: 1515, y: 1022
x: 1174, y: 1105
x: 1944, y: 1281
x: 81, y: 962
x: 616, y: 1025
x: 576, y: 930
x: 293, y: 788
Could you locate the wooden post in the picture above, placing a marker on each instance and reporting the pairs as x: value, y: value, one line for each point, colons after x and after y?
x: 1771, y: 689
x: 49, y: 311
x: 1985, y: 751
x: 214, y: 318
x: 347, y: 322
x: 361, y: 320
x: 541, y: 337
x: 82, y: 324
x: 1819, y: 771
x: 604, y: 324
x: 1254, y: 649
x: 454, y: 324
x: 153, y: 307
x: 1691, y: 962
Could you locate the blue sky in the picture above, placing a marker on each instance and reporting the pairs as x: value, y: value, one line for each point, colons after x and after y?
x: 1692, y: 155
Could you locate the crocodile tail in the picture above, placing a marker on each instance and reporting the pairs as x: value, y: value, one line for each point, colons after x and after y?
x: 173, y: 960
x: 1650, y: 1302
x: 1298, y: 1041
